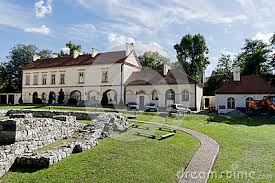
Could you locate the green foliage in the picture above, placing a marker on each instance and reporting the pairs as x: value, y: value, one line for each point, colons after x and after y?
x: 45, y: 53
x: 153, y: 60
x: 216, y: 80
x: 191, y: 55
x: 226, y: 63
x: 255, y: 58
x: 61, y: 97
x: 19, y: 56
x: 73, y: 47
x: 220, y: 75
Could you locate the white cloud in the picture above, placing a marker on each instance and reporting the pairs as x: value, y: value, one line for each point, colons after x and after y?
x: 263, y: 37
x: 82, y: 32
x: 118, y: 42
x: 159, y: 13
x: 42, y: 8
x: 15, y: 16
x: 41, y: 30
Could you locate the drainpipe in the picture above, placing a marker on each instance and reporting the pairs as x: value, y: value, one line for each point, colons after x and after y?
x: 121, y: 83
x: 195, y: 96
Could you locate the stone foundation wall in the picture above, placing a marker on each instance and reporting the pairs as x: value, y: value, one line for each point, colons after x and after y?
x: 23, y: 135
x: 80, y: 115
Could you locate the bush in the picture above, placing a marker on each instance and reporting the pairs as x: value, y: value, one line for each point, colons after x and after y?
x: 61, y: 97
x: 20, y: 101
x: 37, y: 101
x: 72, y: 101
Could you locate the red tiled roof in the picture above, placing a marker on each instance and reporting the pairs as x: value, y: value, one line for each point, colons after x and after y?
x: 250, y: 84
x: 151, y: 77
x: 87, y: 59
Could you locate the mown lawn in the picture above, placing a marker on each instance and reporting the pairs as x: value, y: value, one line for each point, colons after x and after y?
x: 122, y: 158
x: 247, y: 145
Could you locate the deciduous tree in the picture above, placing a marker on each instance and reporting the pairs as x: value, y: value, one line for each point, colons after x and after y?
x: 191, y: 54
x: 153, y: 60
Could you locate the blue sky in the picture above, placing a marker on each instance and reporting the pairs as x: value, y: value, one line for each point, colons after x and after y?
x: 152, y: 25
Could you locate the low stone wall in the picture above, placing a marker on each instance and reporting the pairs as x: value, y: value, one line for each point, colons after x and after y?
x: 103, y: 126
x: 80, y: 115
x: 21, y: 135
x: 25, y: 135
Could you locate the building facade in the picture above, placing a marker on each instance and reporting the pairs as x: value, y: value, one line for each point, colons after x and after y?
x: 238, y: 92
x: 111, y: 75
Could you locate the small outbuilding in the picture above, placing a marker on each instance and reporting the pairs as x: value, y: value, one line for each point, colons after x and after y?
x: 238, y: 92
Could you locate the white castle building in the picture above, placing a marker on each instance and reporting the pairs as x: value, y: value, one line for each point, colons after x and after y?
x: 118, y: 76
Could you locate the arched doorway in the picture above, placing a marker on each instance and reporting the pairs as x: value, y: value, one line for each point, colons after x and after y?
x: 76, y: 95
x: 52, y: 97
x: 34, y: 97
x: 109, y: 98
x: 170, y: 97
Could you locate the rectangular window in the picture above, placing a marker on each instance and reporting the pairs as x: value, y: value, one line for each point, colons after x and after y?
x: 28, y: 79
x: 62, y: 78
x: 53, y: 79
x: 104, y: 76
x: 44, y: 79
x: 81, y: 77
x: 35, y: 79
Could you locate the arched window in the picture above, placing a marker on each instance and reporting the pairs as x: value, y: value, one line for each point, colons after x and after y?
x: 230, y: 103
x: 248, y: 99
x: 76, y: 95
x: 141, y: 92
x: 112, y: 97
x: 170, y: 94
x: 185, y: 95
x: 155, y: 95
x: 93, y: 96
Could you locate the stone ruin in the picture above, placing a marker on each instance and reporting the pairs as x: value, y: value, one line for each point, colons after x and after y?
x: 22, y: 138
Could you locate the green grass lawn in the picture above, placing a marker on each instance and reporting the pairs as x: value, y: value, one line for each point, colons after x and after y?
x: 122, y: 158
x: 247, y: 146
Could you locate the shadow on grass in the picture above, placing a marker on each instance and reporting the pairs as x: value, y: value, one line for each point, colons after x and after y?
x: 244, y: 120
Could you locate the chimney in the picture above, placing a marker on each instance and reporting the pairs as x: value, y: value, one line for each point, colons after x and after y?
x: 55, y: 55
x: 94, y: 52
x: 166, y: 68
x: 75, y: 54
x: 35, y: 57
x: 236, y: 74
x: 129, y: 48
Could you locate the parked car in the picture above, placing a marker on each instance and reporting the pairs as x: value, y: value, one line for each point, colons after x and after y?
x: 133, y: 105
x: 178, y: 108
x: 151, y: 107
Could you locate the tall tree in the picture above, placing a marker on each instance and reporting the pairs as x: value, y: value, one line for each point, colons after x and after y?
x: 273, y: 40
x: 191, y: 54
x: 19, y: 56
x: 255, y: 58
x: 45, y: 53
x: 226, y: 63
x: 73, y: 47
x: 220, y: 75
x: 216, y: 80
x: 153, y: 60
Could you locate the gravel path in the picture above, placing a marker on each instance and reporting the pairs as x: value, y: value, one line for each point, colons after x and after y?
x: 200, y: 166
